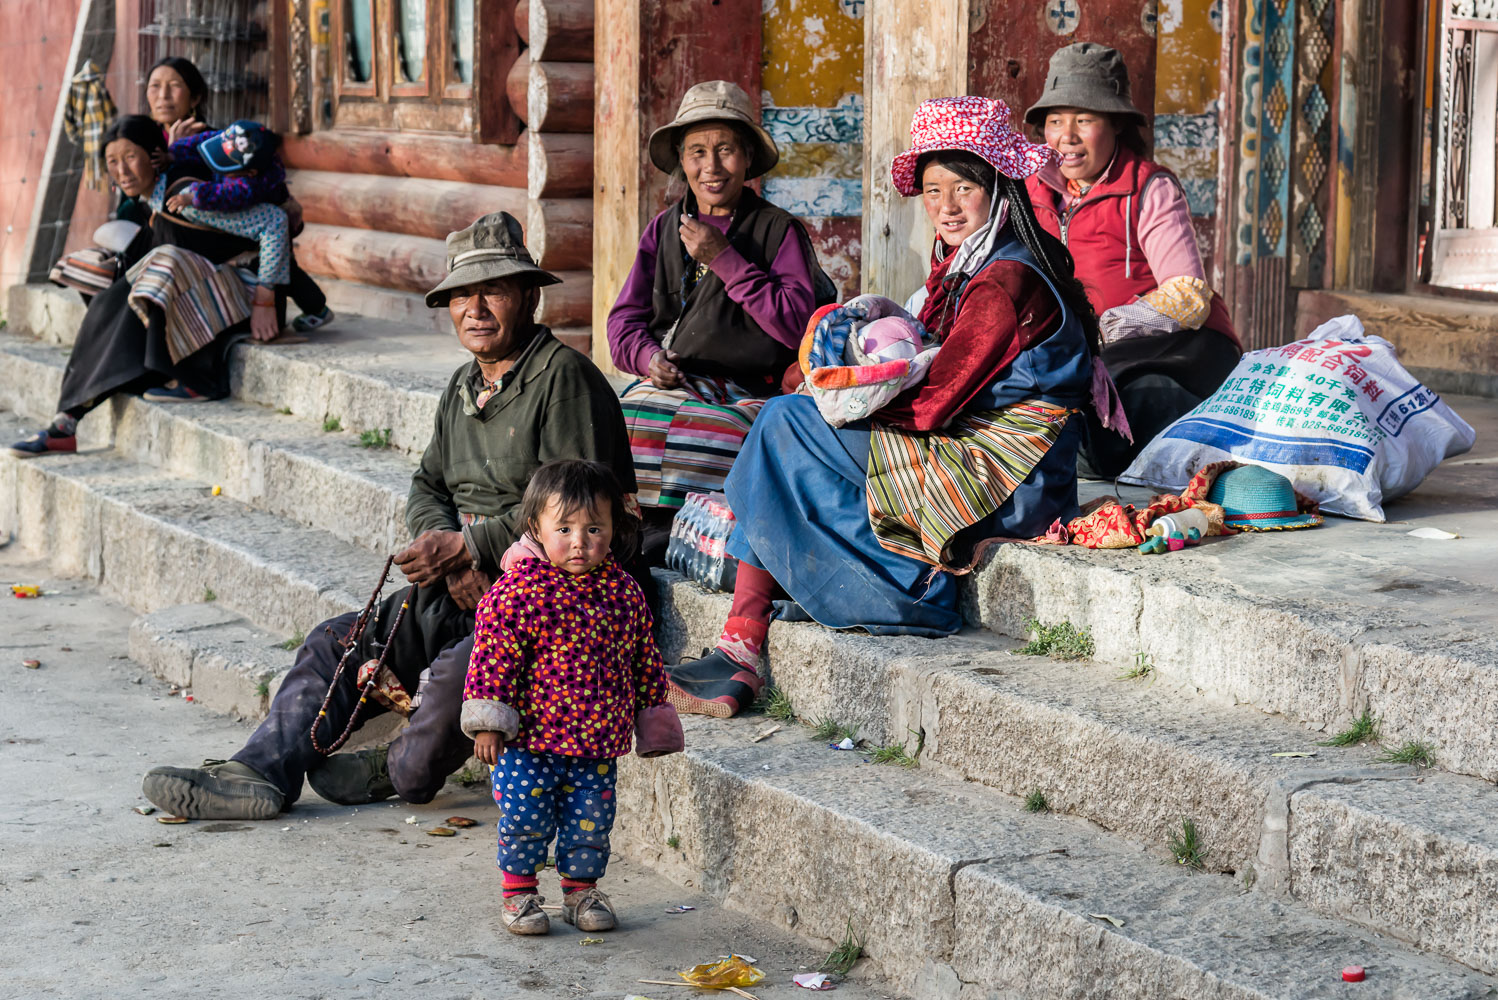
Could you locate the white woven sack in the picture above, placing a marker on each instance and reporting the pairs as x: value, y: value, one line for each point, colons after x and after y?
x: 1334, y: 413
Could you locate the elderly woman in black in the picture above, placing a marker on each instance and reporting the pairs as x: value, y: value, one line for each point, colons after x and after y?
x: 116, y: 351
x: 715, y: 305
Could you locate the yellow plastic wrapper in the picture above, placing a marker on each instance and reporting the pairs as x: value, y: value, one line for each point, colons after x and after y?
x: 725, y: 972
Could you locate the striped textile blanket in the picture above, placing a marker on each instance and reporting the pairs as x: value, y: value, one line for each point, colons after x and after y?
x: 199, y: 298
x: 90, y: 270
x: 685, y: 440
x: 923, y: 488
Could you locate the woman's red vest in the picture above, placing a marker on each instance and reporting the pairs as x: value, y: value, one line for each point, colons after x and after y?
x: 1102, y: 233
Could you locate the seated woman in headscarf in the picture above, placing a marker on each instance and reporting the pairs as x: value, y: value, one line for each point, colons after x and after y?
x: 133, y: 149
x: 171, y: 316
x: 1167, y: 339
x: 865, y: 525
x: 714, y: 306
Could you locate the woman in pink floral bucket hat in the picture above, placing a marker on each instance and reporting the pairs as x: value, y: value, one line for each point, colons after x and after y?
x: 1167, y: 338
x: 865, y: 525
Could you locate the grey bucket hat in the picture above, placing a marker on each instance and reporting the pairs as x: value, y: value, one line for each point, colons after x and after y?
x: 714, y: 101
x: 492, y: 248
x: 1086, y: 75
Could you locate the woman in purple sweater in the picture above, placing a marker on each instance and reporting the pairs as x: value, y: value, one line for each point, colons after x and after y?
x: 715, y: 306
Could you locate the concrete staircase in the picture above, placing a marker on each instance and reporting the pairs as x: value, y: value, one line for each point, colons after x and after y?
x: 1260, y: 646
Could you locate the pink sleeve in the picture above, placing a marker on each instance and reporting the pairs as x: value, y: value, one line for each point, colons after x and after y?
x: 780, y: 301
x: 630, y: 344
x: 1166, y: 233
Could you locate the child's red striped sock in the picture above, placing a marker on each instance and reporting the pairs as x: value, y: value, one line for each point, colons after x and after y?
x: 519, y: 885
x: 577, y: 884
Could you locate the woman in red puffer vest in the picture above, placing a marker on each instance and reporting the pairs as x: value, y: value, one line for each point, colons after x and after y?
x: 1167, y: 338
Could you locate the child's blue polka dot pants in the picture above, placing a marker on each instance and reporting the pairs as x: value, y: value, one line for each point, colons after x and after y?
x: 545, y: 795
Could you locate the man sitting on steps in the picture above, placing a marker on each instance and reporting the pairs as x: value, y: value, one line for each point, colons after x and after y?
x: 524, y: 400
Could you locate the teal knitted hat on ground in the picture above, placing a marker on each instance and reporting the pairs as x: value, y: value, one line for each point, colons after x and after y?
x: 1255, y: 499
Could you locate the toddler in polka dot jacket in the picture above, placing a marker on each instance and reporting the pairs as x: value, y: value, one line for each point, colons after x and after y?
x: 564, y: 668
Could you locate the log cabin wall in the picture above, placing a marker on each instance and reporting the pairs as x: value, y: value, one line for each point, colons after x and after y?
x: 380, y: 194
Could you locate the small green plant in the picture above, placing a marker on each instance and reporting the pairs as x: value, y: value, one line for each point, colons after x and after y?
x: 294, y: 642
x: 262, y: 689
x: 1187, y: 846
x: 828, y: 728
x: 209, y: 595
x: 1143, y: 667
x: 842, y: 958
x: 893, y: 753
x: 1415, y: 752
x: 673, y: 841
x: 331, y: 424
x: 1035, y: 802
x: 1062, y: 641
x: 1363, y: 729
x: 375, y: 438
x: 778, y: 705
x: 285, y: 411
x: 470, y: 776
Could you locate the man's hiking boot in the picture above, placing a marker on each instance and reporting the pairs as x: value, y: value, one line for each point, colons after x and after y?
x: 523, y: 915
x: 220, y: 789
x: 353, y: 779
x: 588, y: 910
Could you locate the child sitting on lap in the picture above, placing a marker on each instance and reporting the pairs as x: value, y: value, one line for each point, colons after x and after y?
x: 564, y: 666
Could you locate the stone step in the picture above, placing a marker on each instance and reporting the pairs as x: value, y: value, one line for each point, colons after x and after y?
x: 1412, y: 853
x: 275, y: 462
x: 957, y: 892
x: 930, y: 867
x: 153, y: 541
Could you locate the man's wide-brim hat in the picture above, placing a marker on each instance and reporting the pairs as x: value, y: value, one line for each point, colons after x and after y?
x: 714, y: 101
x: 490, y: 249
x: 1254, y: 498
x: 1086, y: 75
x: 977, y: 125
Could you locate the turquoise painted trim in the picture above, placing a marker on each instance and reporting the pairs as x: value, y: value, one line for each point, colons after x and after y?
x: 816, y: 197
x: 843, y: 123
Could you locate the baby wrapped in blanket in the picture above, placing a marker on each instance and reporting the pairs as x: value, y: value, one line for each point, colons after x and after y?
x: 860, y: 355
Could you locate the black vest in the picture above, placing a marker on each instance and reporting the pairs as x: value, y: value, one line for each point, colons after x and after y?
x: 712, y: 333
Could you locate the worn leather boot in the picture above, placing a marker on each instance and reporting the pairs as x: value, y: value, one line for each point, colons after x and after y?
x: 588, y: 910
x: 220, y: 789
x: 353, y: 779
x: 523, y: 915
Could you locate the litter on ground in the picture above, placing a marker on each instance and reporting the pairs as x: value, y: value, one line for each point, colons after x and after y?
x: 25, y: 590
x: 1435, y: 534
x: 814, y: 981
x: 145, y: 810
x: 441, y: 831
x: 1111, y: 919
x: 461, y: 822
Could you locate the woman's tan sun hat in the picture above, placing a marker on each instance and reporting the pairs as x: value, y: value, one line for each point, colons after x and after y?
x: 1090, y: 76
x: 714, y: 101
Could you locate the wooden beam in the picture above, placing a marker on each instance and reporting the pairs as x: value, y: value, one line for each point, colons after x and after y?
x: 561, y: 165
x: 913, y: 51
x: 567, y: 304
x: 517, y: 85
x: 496, y: 47
x: 618, y: 147
x: 561, y: 30
x: 397, y: 154
x: 561, y: 97
x: 414, y: 206
x: 386, y: 260
x: 559, y: 233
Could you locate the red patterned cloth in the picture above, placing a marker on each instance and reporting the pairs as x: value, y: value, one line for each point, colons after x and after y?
x: 978, y: 125
x: 573, y: 655
x: 1107, y: 523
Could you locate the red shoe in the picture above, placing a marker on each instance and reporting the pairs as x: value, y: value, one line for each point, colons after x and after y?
x: 44, y: 443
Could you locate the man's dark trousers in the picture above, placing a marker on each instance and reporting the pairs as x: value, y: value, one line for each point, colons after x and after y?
x: 426, y: 752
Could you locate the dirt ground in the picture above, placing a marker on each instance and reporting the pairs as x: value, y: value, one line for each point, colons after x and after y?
x: 326, y: 901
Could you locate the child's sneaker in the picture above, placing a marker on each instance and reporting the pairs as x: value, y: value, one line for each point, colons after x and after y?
x: 307, y: 322
x: 588, y: 910
x: 523, y: 915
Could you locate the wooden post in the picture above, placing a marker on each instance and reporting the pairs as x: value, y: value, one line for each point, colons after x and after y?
x: 496, y: 48
x: 913, y: 51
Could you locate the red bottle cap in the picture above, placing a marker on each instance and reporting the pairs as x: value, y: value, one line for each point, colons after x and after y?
x: 1352, y: 974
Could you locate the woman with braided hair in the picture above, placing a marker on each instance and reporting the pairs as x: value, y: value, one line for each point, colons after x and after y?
x: 864, y: 526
